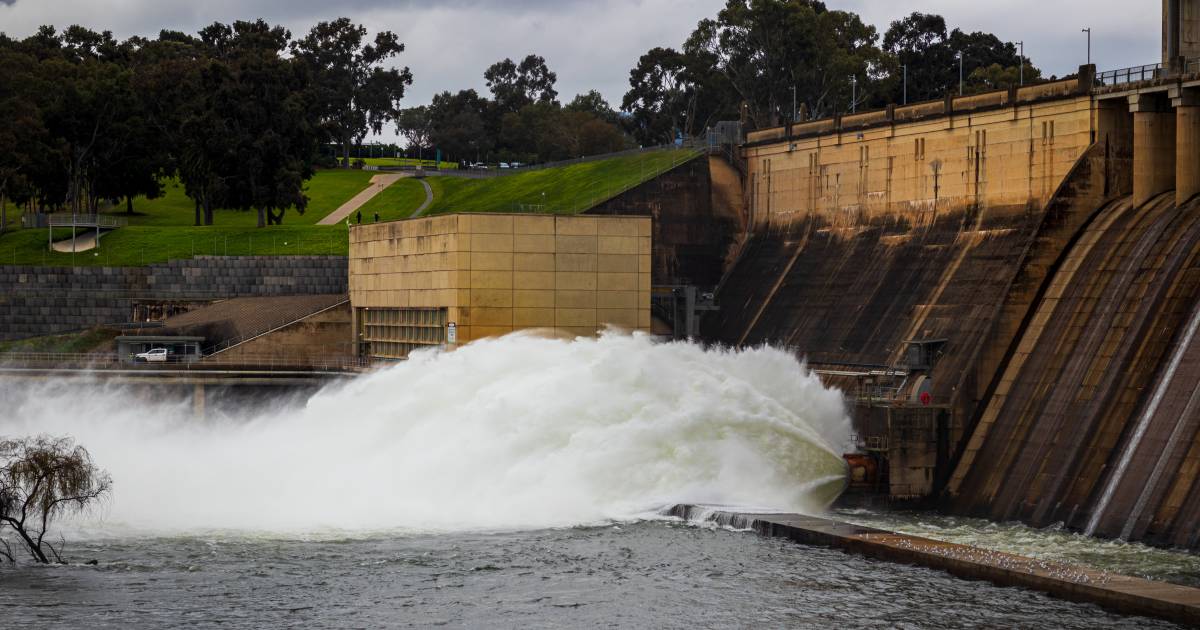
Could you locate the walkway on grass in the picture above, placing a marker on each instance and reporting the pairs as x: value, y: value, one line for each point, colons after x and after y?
x: 378, y: 184
x: 83, y: 242
x: 428, y: 200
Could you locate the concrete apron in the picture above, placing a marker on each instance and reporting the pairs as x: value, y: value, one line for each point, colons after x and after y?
x: 1119, y: 593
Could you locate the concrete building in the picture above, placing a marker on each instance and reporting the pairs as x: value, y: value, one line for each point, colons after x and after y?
x: 452, y: 279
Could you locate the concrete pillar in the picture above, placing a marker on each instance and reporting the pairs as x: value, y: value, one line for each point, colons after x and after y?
x: 1187, y: 143
x: 1153, y: 147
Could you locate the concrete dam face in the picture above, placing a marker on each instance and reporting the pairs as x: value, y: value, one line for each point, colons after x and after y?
x: 1094, y: 421
x: 1006, y: 287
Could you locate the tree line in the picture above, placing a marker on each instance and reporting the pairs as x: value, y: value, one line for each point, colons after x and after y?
x: 758, y: 57
x: 239, y: 113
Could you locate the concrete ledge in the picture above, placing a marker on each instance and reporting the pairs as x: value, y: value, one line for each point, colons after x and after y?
x: 1119, y: 593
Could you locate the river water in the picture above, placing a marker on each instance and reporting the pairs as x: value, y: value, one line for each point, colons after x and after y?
x: 512, y: 483
x: 633, y: 575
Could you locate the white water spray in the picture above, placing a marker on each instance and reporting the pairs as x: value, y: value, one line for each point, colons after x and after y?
x: 516, y: 432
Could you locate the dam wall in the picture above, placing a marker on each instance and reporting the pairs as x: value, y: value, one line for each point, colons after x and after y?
x: 36, y: 301
x: 1095, y: 419
x: 872, y: 231
x: 698, y: 217
x: 1007, y: 287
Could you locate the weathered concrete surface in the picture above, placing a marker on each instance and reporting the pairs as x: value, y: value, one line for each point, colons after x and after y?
x: 323, y: 335
x: 1123, y: 594
x: 1092, y: 421
x: 696, y: 229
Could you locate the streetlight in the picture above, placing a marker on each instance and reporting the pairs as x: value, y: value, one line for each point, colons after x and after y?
x: 905, y: 84
x: 1022, y: 45
x: 960, y: 73
x: 794, y: 116
x: 853, y: 94
x: 1089, y: 38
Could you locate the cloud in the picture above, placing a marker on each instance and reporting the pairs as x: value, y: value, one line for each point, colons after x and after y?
x: 594, y: 43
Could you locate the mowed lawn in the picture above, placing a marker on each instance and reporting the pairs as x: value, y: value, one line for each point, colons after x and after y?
x: 162, y: 229
x: 398, y: 201
x: 561, y: 190
x: 326, y: 191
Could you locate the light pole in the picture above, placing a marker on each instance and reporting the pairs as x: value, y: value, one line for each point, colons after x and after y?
x: 793, y: 103
x: 853, y: 94
x: 1089, y: 40
x: 1022, y: 73
x: 960, y: 73
x: 905, y: 85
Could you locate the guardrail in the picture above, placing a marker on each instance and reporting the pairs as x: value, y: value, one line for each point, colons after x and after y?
x: 67, y: 219
x: 276, y: 325
x: 111, y: 360
x: 1129, y: 75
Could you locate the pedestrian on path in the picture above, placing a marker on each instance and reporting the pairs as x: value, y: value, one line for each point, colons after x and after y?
x: 359, y: 215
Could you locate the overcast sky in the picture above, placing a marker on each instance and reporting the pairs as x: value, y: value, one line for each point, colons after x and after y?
x: 594, y: 43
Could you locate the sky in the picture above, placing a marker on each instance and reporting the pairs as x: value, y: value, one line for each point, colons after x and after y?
x: 592, y: 44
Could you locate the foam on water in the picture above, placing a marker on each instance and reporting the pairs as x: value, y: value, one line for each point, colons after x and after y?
x: 517, y: 432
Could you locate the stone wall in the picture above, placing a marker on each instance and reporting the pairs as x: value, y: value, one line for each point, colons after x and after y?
x: 37, y: 301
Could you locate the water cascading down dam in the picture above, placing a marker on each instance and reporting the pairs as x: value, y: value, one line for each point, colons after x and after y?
x: 1007, y: 287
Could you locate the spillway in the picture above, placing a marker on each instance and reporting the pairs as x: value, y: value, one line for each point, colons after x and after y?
x: 1094, y: 419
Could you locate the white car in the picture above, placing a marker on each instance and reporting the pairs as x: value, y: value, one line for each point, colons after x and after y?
x: 153, y: 355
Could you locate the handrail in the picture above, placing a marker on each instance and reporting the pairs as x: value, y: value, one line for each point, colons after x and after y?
x: 277, y: 325
x: 1131, y: 74
x: 68, y: 219
x: 110, y: 360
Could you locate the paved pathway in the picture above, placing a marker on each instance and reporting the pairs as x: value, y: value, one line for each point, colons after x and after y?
x: 83, y: 242
x: 377, y: 185
x: 428, y: 200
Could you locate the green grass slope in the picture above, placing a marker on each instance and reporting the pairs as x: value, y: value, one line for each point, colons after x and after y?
x: 561, y: 190
x: 397, y: 201
x: 161, y: 229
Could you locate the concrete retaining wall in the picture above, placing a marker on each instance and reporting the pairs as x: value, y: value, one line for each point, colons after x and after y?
x: 38, y: 301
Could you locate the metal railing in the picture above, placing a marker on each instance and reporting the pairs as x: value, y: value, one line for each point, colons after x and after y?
x: 67, y: 219
x: 264, y: 330
x: 256, y: 362
x: 1129, y: 75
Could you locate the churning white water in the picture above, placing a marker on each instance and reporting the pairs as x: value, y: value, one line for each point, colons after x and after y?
x: 522, y: 431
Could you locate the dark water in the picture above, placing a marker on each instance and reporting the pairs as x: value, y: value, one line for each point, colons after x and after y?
x: 651, y: 574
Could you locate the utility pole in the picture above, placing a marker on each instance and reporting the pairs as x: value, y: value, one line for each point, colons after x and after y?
x: 905, y: 85
x: 960, y: 73
x: 1022, y: 45
x: 853, y: 94
x: 1089, y: 40
x: 794, y: 104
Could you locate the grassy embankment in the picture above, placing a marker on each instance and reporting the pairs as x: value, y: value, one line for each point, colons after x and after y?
x: 397, y: 201
x: 383, y: 161
x: 91, y: 340
x: 161, y: 229
x: 562, y: 190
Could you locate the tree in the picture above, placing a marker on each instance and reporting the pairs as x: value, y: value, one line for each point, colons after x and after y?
x: 592, y: 102
x: 661, y: 98
x: 415, y: 124
x: 923, y: 44
x: 514, y: 86
x: 458, y: 124
x: 353, y: 91
x: 42, y: 479
x: 767, y: 47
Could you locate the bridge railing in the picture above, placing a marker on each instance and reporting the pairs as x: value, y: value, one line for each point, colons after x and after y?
x: 111, y: 361
x: 1129, y: 75
x: 67, y: 219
